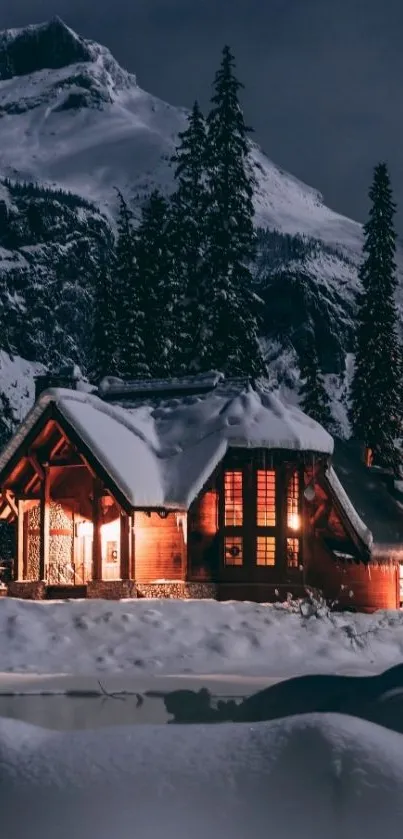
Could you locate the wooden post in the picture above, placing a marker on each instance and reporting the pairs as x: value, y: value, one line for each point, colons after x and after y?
x: 133, y: 545
x: 281, y: 522
x: 19, y: 566
x: 44, y: 526
x: 96, y: 541
x: 125, y: 545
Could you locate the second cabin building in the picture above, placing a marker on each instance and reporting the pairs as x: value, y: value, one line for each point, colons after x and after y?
x: 195, y: 487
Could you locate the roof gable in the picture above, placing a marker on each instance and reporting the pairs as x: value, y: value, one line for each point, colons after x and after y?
x: 160, y: 448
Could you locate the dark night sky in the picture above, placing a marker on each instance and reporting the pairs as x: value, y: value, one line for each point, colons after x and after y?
x: 323, y: 78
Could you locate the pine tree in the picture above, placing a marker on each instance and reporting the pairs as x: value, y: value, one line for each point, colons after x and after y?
x: 376, y: 387
x: 230, y: 325
x: 105, y: 345
x: 314, y: 397
x: 188, y: 207
x: 129, y: 299
x: 155, y: 273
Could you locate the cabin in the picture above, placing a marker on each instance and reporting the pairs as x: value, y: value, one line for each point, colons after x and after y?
x: 196, y: 487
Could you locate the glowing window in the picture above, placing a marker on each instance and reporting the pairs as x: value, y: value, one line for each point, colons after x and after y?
x: 266, y: 550
x: 233, y: 550
x: 233, y: 506
x: 266, y: 498
x: 293, y: 553
x: 293, y: 516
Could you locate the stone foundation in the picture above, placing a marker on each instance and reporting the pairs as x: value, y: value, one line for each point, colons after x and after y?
x: 178, y: 590
x: 28, y: 590
x: 111, y: 589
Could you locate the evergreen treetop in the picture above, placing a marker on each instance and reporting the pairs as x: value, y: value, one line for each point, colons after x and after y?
x: 376, y: 403
x: 187, y: 224
x: 228, y: 336
x: 105, y: 349
x: 130, y: 299
x: 154, y: 267
x: 315, y: 400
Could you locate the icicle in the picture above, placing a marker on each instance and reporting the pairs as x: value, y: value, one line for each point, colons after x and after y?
x: 181, y: 522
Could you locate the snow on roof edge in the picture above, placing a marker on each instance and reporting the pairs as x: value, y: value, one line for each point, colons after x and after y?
x: 355, y: 520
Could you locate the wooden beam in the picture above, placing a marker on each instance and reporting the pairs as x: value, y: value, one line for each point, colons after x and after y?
x: 11, y: 501
x: 96, y: 541
x: 32, y: 481
x: 56, y: 463
x: 60, y: 443
x: 44, y: 527
x: 125, y: 546
x: 19, y: 566
x: 133, y: 545
x: 33, y: 460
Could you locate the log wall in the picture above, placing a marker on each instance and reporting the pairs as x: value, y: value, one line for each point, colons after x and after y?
x: 160, y: 552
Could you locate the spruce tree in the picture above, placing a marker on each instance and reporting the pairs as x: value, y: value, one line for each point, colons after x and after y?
x: 156, y: 277
x: 188, y: 208
x: 229, y: 323
x: 105, y: 344
x: 314, y: 397
x: 376, y: 387
x: 129, y: 299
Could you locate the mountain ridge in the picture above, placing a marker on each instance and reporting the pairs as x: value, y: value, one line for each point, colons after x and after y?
x: 83, y: 125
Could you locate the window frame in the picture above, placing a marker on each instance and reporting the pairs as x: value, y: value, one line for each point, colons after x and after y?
x: 250, y: 530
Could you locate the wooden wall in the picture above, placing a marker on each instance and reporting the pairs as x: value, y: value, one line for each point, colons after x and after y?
x: 160, y: 552
x: 349, y: 584
x: 203, y: 540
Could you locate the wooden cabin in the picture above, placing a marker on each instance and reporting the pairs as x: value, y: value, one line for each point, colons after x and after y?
x: 195, y: 487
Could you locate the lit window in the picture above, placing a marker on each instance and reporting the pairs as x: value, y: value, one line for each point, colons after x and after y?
x: 293, y: 516
x: 233, y: 553
x: 293, y: 553
x: 266, y: 550
x: 266, y: 498
x: 233, y: 507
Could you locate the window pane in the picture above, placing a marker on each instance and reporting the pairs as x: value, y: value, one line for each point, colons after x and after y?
x: 266, y: 550
x: 293, y: 516
x: 293, y: 553
x: 233, y: 550
x: 233, y: 512
x: 266, y: 498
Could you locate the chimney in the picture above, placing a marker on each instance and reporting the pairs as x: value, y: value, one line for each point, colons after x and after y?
x: 66, y: 377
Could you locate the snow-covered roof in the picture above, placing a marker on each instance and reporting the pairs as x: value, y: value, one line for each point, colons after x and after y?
x: 160, y: 448
x: 349, y: 510
x: 378, y: 507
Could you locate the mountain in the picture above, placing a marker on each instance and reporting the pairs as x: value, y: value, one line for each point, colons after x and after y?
x: 73, y: 126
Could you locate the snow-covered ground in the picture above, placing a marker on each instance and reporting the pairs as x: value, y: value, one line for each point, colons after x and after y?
x: 312, y: 777
x: 316, y: 776
x: 155, y: 637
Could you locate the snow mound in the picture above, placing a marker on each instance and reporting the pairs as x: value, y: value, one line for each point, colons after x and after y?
x: 312, y: 777
x: 140, y: 637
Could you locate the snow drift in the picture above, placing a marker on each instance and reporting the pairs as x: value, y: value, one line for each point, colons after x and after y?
x: 140, y: 637
x: 308, y: 777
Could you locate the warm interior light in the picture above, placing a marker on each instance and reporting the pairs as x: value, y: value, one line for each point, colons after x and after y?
x: 294, y: 521
x: 110, y: 538
x: 85, y: 528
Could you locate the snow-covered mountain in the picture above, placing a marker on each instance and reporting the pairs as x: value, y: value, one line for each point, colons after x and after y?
x: 72, y: 118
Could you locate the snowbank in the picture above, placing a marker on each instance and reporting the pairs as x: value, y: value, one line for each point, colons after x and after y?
x: 136, y: 637
x: 312, y: 777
